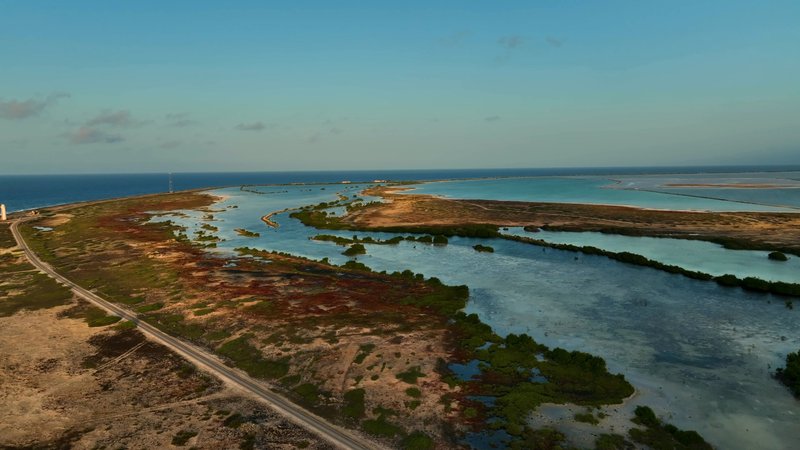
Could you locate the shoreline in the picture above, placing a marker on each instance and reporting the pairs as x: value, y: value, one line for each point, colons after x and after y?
x: 788, y: 208
x: 435, y: 180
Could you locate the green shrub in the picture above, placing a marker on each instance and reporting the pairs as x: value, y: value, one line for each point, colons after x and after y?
x: 417, y: 441
x: 354, y: 250
x: 586, y: 418
x: 612, y: 442
x: 308, y: 391
x: 413, y: 392
x: 380, y: 427
x: 251, y: 360
x: 410, y: 376
x: 354, y: 404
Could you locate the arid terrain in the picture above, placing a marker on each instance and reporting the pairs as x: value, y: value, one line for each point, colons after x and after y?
x: 73, y: 377
x: 367, y: 351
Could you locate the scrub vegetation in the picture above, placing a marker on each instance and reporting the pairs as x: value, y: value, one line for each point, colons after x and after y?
x: 365, y: 349
x: 483, y: 248
x: 790, y: 375
x: 247, y: 233
x: 316, y: 216
x: 659, y: 435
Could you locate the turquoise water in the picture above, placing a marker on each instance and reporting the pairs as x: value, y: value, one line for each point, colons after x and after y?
x: 699, y: 256
x: 593, y: 190
x: 698, y: 353
x: 788, y: 195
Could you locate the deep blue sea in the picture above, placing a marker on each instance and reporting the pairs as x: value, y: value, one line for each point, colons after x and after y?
x: 20, y: 192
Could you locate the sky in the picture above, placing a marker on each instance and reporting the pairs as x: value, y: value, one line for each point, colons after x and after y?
x: 146, y: 86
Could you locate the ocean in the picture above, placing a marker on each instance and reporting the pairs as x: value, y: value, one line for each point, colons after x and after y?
x: 22, y: 192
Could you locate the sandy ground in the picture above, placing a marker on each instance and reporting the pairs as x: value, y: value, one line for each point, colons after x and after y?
x: 64, y: 384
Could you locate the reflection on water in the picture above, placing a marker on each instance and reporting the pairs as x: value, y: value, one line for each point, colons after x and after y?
x: 698, y: 353
x: 699, y: 256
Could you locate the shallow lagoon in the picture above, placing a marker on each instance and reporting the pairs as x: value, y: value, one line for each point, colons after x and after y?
x: 788, y: 195
x: 594, y: 190
x: 698, y: 353
x: 700, y: 256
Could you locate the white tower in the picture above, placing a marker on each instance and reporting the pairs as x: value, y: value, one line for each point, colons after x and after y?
x: 2, y: 212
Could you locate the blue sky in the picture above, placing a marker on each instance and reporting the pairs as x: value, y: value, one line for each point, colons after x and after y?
x: 305, y: 85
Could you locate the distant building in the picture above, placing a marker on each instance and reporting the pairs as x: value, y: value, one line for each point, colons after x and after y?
x: 379, y: 181
x: 3, y: 212
x: 346, y: 181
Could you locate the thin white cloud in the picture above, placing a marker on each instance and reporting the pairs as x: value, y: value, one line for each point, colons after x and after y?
x: 88, y: 135
x: 22, y: 109
x: 120, y: 118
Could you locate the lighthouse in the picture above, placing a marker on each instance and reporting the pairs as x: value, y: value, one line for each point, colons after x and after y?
x: 2, y: 212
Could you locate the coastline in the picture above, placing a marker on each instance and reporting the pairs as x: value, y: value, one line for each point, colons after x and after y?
x: 577, y: 172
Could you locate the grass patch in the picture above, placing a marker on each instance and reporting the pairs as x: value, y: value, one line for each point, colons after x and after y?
x: 417, y: 441
x: 150, y: 307
x: 308, y: 392
x: 217, y: 335
x: 39, y: 292
x: 97, y: 317
x: 586, y: 418
x: 354, y: 404
x: 380, y: 427
x: 251, y: 360
x: 176, y: 325
x: 203, y: 311
x: 262, y: 308
x: 125, y: 325
x: 6, y: 238
x: 130, y: 300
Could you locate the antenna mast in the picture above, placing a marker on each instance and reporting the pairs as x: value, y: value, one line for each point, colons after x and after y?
x: 170, y: 183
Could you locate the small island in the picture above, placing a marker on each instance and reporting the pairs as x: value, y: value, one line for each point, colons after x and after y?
x: 483, y: 248
x: 354, y: 250
x: 778, y: 256
x: 247, y: 233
